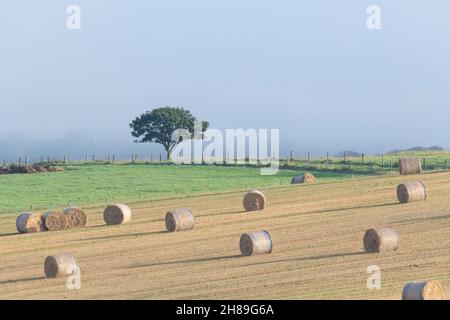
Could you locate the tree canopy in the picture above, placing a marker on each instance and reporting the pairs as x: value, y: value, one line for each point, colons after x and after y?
x: 159, y: 124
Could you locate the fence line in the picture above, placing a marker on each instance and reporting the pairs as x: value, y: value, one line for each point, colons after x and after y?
x: 380, y: 162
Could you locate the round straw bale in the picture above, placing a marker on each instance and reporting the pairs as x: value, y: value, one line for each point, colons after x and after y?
x: 254, y: 200
x: 55, y: 220
x: 62, y: 264
x: 306, y: 178
x: 423, y: 290
x: 411, y: 191
x: 380, y: 240
x: 117, y: 214
x: 410, y: 166
x: 28, y: 222
x: 76, y: 217
x: 179, y: 220
x: 256, y: 242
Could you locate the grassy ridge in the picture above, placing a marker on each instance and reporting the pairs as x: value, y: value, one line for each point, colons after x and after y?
x: 98, y: 183
x: 374, y: 165
x: 94, y: 184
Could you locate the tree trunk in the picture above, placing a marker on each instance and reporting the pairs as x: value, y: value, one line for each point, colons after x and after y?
x: 169, y: 154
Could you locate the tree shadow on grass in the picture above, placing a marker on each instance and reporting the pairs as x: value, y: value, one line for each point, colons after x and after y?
x: 185, y: 261
x: 22, y: 280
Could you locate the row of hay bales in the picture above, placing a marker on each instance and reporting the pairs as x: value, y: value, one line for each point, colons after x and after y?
x: 407, y: 166
x: 375, y: 240
x: 179, y: 219
x: 380, y: 240
x: 28, y: 222
x: 251, y: 243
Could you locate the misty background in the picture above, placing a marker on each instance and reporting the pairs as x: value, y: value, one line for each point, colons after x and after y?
x: 313, y: 70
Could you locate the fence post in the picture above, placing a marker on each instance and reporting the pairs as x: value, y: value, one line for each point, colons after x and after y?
x: 424, y: 164
x: 328, y: 158
x: 382, y: 160
x: 309, y: 159
x: 20, y: 161
x: 160, y: 157
x: 4, y: 162
x: 291, y: 157
x: 362, y: 158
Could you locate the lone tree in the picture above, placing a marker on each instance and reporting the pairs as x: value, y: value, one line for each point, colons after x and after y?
x: 159, y: 124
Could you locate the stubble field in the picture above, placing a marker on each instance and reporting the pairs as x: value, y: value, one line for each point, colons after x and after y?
x: 317, y: 234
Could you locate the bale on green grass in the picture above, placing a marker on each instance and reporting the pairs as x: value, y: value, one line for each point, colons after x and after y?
x: 256, y: 242
x: 117, y: 214
x: 423, y: 290
x: 55, y: 220
x: 254, y: 200
x: 380, y: 240
x: 180, y: 219
x: 410, y: 166
x: 306, y: 178
x: 76, y: 217
x: 62, y: 264
x: 28, y: 222
x: 411, y: 191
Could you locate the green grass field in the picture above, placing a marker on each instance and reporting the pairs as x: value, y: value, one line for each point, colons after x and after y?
x: 94, y: 184
x: 98, y: 183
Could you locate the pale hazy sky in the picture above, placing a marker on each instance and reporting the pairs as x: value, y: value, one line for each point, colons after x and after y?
x: 310, y: 68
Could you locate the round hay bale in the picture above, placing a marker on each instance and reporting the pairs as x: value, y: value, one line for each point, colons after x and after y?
x: 62, y: 264
x: 256, y: 242
x: 117, y: 214
x: 254, y: 200
x: 179, y: 220
x: 410, y: 166
x: 28, y: 222
x: 423, y: 290
x: 411, y: 191
x: 306, y: 178
x: 55, y: 220
x: 76, y: 217
x: 380, y: 240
